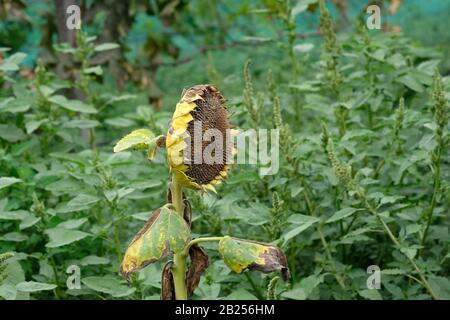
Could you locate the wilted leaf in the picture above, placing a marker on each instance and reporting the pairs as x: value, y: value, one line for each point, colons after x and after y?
x: 167, y: 286
x: 164, y: 233
x: 240, y: 255
x: 199, y: 263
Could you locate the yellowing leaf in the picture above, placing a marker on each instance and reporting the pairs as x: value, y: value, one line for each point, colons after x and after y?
x: 164, y: 233
x: 139, y: 139
x: 240, y: 255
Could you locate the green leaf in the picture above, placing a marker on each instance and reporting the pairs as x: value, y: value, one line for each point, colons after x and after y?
x: 164, y: 233
x: 81, y: 124
x: 295, y: 232
x: 106, y: 46
x: 72, y: 105
x: 14, y: 237
x: 14, y: 105
x: 28, y: 221
x: 33, y: 286
x: 7, y: 181
x: 8, y: 291
x: 305, y: 47
x: 341, y: 214
x: 239, y: 255
x: 240, y: 294
x: 120, y: 122
x: 109, y: 285
x: 14, y: 215
x: 61, y: 236
x: 139, y: 139
x: 11, y: 133
x: 411, y: 82
x: 97, y: 70
x: 12, y: 62
x: 410, y: 252
x: 94, y: 260
x: 80, y: 202
x: 33, y: 125
x: 304, y: 223
x: 72, y: 223
x: 371, y: 294
x: 306, y: 287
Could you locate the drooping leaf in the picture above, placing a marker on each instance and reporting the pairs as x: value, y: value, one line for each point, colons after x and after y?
x: 239, y: 255
x: 167, y: 286
x: 164, y: 233
x: 199, y: 263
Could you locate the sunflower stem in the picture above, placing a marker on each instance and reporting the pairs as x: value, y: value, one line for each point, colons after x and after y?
x: 199, y: 240
x: 179, y: 259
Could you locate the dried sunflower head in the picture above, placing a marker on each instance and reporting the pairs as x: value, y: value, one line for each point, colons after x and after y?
x: 200, y: 130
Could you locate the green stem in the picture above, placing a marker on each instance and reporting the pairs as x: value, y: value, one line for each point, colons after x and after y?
x: 397, y: 243
x: 179, y: 276
x: 179, y: 259
x: 199, y: 240
x: 325, y: 245
x: 436, y: 187
x: 55, y: 272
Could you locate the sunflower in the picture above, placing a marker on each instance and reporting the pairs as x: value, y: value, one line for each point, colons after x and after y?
x: 201, y: 105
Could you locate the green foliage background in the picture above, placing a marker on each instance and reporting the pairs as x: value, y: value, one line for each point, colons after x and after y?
x: 66, y: 199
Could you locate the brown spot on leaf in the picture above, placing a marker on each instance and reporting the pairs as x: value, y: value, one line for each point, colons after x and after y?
x: 161, y: 142
x: 275, y: 261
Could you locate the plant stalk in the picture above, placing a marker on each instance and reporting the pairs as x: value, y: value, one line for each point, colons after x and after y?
x: 179, y: 259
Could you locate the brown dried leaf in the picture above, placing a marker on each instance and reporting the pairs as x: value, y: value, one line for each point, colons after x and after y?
x: 167, y: 286
x: 199, y: 263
